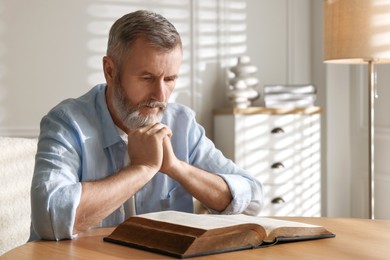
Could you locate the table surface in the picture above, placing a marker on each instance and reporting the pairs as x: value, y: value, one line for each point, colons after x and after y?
x: 355, y: 239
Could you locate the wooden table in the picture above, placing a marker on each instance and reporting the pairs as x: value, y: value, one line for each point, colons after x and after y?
x: 355, y: 239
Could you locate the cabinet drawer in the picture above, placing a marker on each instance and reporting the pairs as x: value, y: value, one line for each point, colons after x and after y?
x: 291, y: 200
x: 285, y: 166
x: 282, y: 150
x: 277, y: 132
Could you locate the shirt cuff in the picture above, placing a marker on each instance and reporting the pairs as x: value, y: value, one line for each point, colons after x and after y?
x: 241, y: 194
x: 63, y: 211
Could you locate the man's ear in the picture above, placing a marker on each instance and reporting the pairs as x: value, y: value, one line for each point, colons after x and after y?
x: 109, y: 70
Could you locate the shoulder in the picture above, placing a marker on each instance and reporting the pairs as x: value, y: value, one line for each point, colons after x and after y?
x: 179, y: 118
x: 81, y: 106
x: 83, y: 114
x: 178, y: 111
x: 182, y: 119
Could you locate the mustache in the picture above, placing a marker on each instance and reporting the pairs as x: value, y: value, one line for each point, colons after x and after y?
x: 150, y: 103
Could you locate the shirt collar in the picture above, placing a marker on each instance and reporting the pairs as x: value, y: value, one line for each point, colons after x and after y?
x: 110, y: 132
x: 122, y: 134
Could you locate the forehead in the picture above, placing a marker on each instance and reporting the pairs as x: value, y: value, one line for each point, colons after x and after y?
x: 143, y: 56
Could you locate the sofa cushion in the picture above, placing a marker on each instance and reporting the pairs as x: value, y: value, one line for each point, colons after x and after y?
x: 17, y: 158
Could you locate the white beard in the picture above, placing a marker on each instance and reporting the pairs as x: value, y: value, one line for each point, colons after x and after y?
x: 135, y: 120
x: 130, y: 115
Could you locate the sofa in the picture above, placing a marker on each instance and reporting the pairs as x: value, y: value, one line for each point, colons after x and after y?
x: 17, y: 158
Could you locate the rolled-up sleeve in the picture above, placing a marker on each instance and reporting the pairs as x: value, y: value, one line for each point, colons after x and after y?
x: 55, y: 189
x: 247, y: 195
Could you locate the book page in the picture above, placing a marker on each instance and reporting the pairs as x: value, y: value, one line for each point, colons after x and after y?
x: 269, y: 224
x: 210, y: 221
x: 202, y: 221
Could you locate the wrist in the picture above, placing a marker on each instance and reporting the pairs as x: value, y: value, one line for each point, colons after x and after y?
x: 143, y: 169
x: 175, y: 169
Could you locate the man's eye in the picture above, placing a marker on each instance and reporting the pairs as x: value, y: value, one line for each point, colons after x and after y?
x: 170, y: 79
x: 147, y: 77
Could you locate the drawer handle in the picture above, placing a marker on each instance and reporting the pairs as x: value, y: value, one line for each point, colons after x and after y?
x: 277, y: 130
x: 278, y: 200
x: 277, y: 165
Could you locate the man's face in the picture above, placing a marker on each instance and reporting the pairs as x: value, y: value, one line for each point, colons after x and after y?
x: 148, y: 77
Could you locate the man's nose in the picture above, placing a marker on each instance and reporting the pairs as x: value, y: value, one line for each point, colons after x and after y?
x: 159, y: 92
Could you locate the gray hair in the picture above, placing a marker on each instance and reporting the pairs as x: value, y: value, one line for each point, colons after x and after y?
x: 156, y: 29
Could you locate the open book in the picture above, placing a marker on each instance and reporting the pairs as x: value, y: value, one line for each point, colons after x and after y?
x: 186, y: 235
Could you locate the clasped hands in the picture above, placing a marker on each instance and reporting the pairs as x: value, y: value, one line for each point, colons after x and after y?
x: 151, y: 146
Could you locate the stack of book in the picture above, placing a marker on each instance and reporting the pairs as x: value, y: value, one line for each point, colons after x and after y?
x: 289, y: 96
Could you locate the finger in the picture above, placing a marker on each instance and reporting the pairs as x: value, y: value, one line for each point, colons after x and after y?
x: 142, y: 129
x: 168, y: 130
x: 160, y: 128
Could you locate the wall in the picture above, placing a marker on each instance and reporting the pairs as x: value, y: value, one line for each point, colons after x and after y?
x: 338, y: 142
x: 43, y: 59
x: 279, y: 41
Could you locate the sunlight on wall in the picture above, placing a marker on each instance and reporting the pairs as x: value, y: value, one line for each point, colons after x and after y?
x: 212, y: 32
x: 220, y: 32
x: 220, y: 37
x: 104, y: 14
x: 234, y: 30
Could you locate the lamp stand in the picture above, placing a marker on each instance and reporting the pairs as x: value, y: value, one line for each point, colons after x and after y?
x: 371, y: 144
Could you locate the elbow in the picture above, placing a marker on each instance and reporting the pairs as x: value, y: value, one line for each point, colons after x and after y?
x: 40, y: 217
x: 49, y: 217
x: 254, y: 208
x: 257, y: 202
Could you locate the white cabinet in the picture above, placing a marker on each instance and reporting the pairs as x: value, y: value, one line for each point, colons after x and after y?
x: 281, y: 148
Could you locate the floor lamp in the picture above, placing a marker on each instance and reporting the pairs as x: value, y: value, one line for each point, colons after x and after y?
x: 357, y: 32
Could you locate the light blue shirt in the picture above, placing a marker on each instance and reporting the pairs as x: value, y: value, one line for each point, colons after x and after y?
x: 79, y: 142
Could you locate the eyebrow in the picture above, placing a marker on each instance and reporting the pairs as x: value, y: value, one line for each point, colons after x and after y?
x: 172, y: 76
x: 145, y: 72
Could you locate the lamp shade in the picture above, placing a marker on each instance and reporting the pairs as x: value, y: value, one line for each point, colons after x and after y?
x: 356, y: 31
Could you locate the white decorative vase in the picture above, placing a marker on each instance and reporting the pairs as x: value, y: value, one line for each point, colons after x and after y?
x: 241, y: 95
x: 241, y: 86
